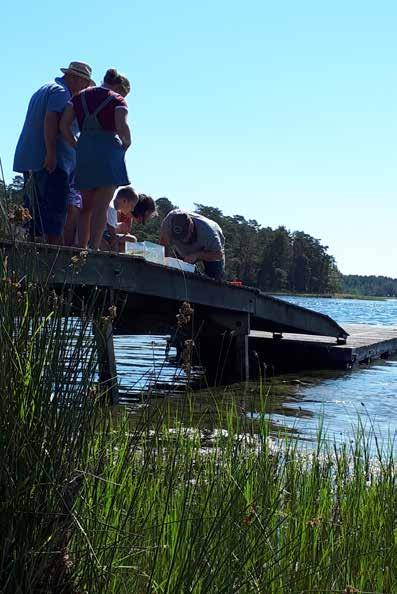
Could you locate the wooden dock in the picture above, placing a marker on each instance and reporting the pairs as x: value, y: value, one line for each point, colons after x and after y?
x: 228, y: 322
x: 153, y: 293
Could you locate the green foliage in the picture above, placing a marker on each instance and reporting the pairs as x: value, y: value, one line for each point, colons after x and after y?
x: 381, y: 286
x: 276, y: 261
x: 13, y: 192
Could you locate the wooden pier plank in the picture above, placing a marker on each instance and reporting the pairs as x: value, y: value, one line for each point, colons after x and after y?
x: 359, y: 335
x: 365, y: 343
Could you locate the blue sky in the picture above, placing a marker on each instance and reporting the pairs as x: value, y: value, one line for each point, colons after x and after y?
x: 282, y: 112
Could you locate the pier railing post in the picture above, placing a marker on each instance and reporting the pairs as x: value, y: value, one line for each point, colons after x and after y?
x: 103, y: 332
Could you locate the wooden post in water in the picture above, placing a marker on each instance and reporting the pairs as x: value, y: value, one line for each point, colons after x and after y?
x: 240, y: 354
x: 241, y: 358
x: 224, y: 351
x: 103, y: 331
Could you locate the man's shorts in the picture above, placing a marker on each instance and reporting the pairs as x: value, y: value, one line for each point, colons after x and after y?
x: 46, y: 197
x: 215, y: 269
x: 74, y: 196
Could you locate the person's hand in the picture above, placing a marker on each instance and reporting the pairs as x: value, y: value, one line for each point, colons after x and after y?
x: 123, y: 228
x: 191, y: 259
x: 50, y: 162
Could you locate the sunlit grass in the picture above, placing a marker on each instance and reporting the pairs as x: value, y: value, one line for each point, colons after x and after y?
x: 93, y: 502
x: 171, y: 514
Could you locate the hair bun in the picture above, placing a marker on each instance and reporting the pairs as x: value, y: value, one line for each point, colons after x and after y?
x: 112, y: 77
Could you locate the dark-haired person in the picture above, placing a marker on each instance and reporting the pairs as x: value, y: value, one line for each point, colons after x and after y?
x: 105, y: 136
x: 126, y: 207
x: 195, y: 238
x: 144, y: 209
x: 44, y: 157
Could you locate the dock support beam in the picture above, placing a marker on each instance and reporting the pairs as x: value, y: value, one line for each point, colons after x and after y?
x: 225, y: 358
x: 103, y: 331
x: 223, y: 349
x: 241, y: 357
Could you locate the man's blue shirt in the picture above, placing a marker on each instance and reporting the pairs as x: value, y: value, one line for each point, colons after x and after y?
x: 30, y: 152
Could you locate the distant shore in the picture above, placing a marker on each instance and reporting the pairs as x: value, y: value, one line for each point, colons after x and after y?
x: 329, y: 295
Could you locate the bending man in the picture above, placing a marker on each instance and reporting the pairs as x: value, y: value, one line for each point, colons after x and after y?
x: 195, y: 238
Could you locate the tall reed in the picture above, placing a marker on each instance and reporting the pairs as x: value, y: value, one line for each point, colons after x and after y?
x: 95, y: 501
x: 47, y: 420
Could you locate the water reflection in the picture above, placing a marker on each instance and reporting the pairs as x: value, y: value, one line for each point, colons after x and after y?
x: 147, y: 374
x: 146, y: 364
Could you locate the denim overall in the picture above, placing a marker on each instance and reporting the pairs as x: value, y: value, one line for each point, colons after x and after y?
x: 99, y: 153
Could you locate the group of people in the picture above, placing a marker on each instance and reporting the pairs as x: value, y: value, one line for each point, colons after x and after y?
x: 71, y: 152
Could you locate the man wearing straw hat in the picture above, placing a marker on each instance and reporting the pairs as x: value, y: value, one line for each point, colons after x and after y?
x: 44, y: 157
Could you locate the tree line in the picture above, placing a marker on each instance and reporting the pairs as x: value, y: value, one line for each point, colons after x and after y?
x: 381, y: 286
x: 274, y: 260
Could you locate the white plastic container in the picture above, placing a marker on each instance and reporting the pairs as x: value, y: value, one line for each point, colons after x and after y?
x: 179, y: 264
x: 135, y: 248
x: 152, y: 252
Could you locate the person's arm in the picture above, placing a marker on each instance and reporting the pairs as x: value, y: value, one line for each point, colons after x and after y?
x: 164, y: 238
x: 165, y: 234
x: 56, y: 102
x: 51, y: 123
x: 66, y: 125
x: 122, y: 127
x: 123, y: 227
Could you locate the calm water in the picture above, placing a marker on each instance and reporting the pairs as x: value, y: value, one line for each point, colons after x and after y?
x: 296, y: 402
x: 353, y: 311
x: 370, y: 392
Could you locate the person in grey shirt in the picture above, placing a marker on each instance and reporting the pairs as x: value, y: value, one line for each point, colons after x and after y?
x: 195, y: 238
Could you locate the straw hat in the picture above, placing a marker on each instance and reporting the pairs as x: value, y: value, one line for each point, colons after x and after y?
x: 79, y: 69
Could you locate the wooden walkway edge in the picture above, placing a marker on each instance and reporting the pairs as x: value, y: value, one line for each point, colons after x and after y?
x: 366, y: 344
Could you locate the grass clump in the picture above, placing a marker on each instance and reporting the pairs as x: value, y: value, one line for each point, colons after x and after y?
x: 93, y: 501
x: 171, y: 512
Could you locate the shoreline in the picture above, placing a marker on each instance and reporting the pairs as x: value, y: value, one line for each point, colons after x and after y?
x: 329, y: 296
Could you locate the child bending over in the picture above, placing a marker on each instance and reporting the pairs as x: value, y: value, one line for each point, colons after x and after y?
x: 126, y: 207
